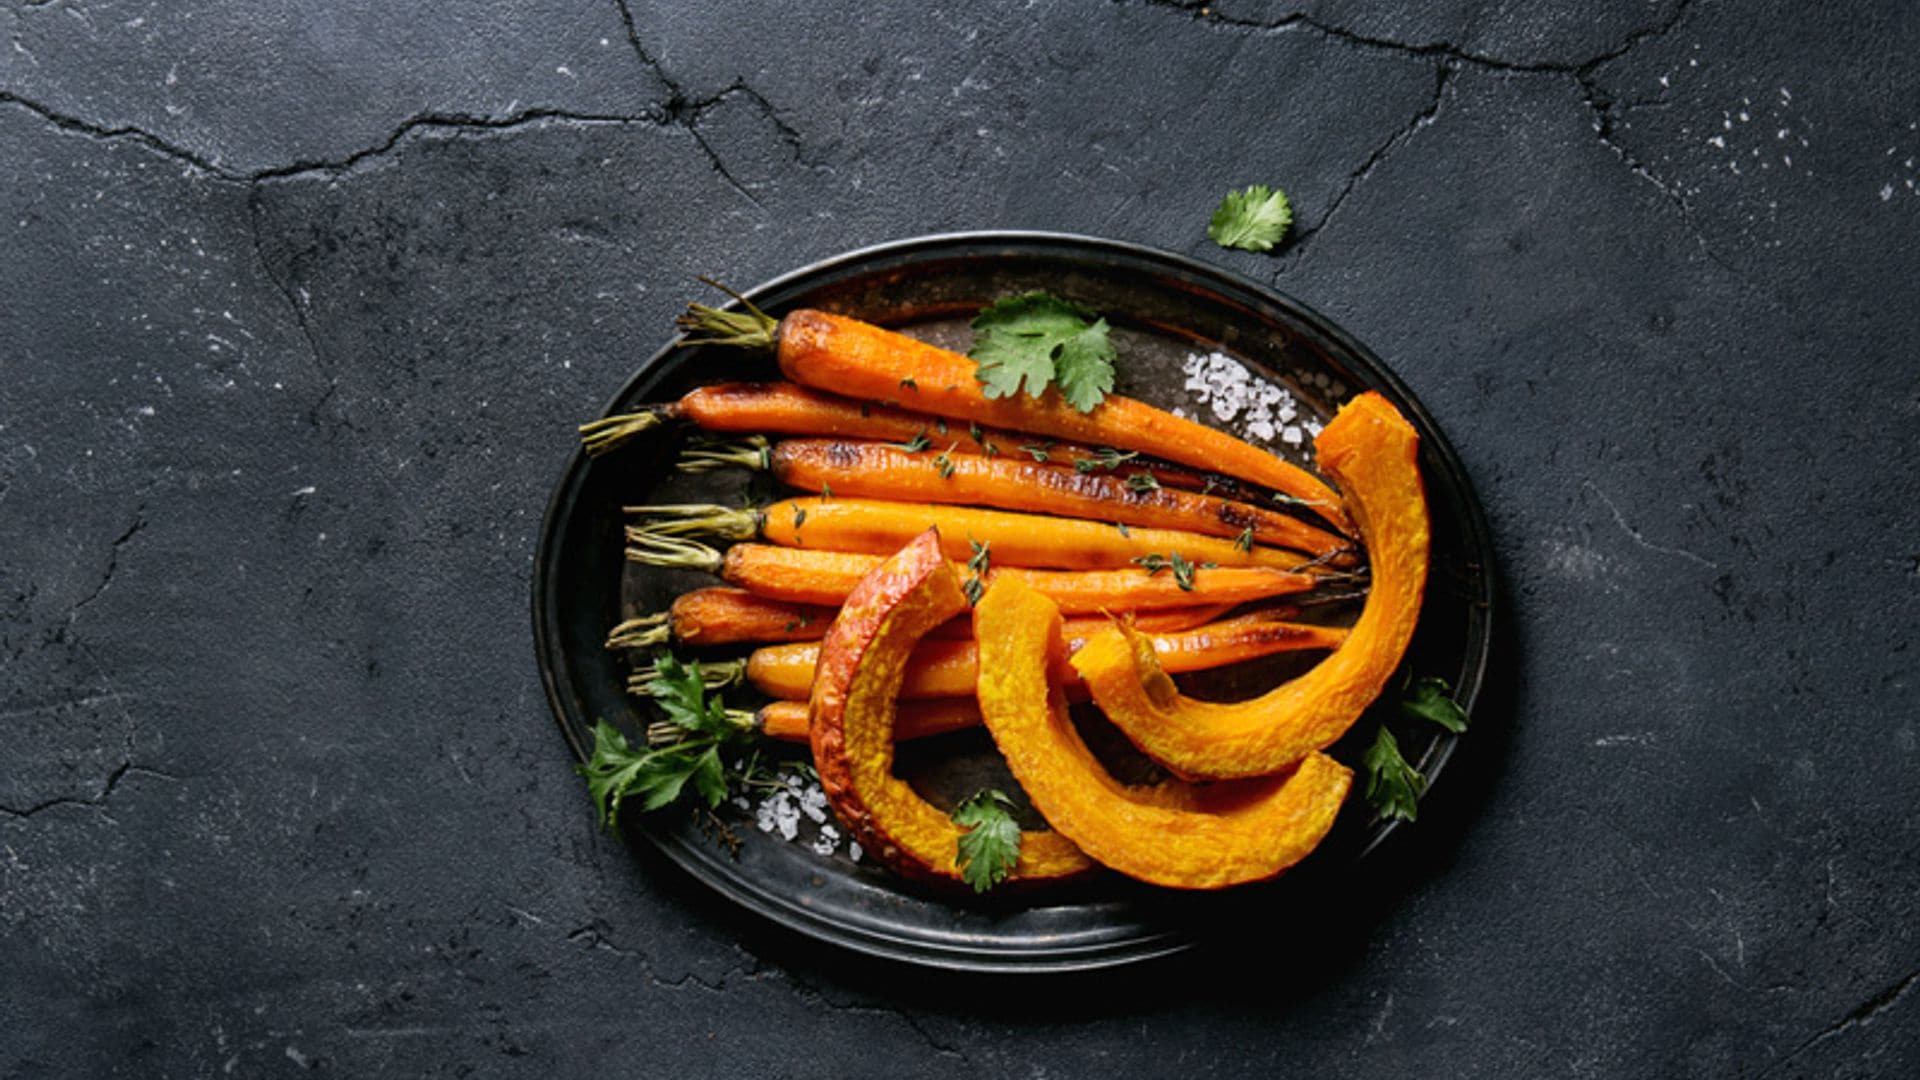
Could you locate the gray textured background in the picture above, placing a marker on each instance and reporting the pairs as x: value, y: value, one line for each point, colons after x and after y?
x: 298, y: 303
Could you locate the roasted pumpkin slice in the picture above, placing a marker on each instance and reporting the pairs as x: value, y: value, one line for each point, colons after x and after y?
x: 1178, y: 835
x: 1369, y: 449
x: 851, y: 717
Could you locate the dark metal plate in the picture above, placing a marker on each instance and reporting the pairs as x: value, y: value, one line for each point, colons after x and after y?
x: 1164, y: 308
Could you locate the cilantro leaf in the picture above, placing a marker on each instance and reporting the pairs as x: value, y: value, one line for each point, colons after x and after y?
x: 1025, y: 343
x: 1251, y: 220
x: 1083, y: 367
x: 990, y: 847
x: 1393, y: 786
x: 1431, y: 698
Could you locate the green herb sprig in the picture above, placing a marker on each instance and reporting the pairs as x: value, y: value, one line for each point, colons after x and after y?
x: 990, y: 847
x: 1029, y: 342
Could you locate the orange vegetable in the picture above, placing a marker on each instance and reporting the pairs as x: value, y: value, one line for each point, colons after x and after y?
x: 1370, y: 450
x: 851, y: 722
x: 723, y: 617
x: 1016, y: 539
x: 942, y: 668
x: 847, y: 356
x: 787, y: 720
x: 735, y: 616
x: 824, y: 577
x: 886, y: 471
x: 1177, y: 835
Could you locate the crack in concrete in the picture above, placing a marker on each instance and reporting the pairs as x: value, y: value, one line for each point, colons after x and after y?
x: 99, y: 799
x: 1443, y: 77
x: 1441, y: 48
x: 683, y: 110
x: 1860, y: 1015
x: 1635, y: 535
x: 113, y: 559
x: 1452, y: 56
x: 97, y: 131
x: 285, y: 289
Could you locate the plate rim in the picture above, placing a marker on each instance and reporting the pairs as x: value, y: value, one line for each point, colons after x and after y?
x: 800, y: 919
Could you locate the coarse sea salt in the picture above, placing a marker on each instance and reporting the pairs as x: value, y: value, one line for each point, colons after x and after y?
x: 793, y: 803
x: 1260, y: 409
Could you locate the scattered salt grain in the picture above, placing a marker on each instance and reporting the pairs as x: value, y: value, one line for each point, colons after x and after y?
x: 777, y: 813
x: 853, y: 850
x: 827, y: 841
x: 813, y: 803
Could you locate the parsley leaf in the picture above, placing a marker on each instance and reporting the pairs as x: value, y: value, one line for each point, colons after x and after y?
x: 1251, y: 220
x: 1026, y: 342
x: 991, y: 845
x: 1393, y: 786
x: 1431, y: 698
x: 658, y: 775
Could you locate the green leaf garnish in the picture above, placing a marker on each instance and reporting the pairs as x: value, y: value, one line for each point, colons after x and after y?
x: 1251, y: 220
x: 1026, y: 343
x: 1431, y: 698
x: 990, y: 847
x: 1393, y: 786
x: 701, y: 726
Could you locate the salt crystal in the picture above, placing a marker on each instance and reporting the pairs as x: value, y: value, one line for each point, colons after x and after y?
x: 824, y: 844
x: 1886, y: 192
x: 813, y: 803
x: 1292, y: 435
x: 853, y: 850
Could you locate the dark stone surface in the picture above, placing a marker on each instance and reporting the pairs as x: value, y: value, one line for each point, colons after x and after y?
x: 299, y: 302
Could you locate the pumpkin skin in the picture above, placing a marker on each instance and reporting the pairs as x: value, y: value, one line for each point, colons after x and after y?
x: 851, y: 718
x: 1369, y: 449
x: 1175, y: 834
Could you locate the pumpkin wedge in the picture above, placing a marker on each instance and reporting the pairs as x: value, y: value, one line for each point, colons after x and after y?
x: 851, y: 718
x: 1175, y: 834
x: 1369, y: 449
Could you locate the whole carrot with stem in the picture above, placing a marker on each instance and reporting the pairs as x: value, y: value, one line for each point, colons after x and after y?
x: 806, y: 576
x: 947, y: 668
x: 847, y: 356
x: 881, y: 527
x: 924, y: 472
x: 784, y: 408
x: 725, y: 616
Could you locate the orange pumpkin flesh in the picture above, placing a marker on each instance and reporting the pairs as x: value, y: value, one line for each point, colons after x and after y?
x: 1369, y: 449
x: 1176, y: 835
x: 851, y: 718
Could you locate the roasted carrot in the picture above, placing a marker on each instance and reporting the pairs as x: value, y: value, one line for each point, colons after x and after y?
x: 945, y: 668
x: 723, y: 617
x: 805, y: 576
x: 846, y: 356
x: 784, y: 408
x: 787, y: 720
x: 878, y: 527
x: 931, y: 475
x: 733, y: 616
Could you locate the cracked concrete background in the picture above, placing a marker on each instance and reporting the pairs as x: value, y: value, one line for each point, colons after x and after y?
x: 299, y: 304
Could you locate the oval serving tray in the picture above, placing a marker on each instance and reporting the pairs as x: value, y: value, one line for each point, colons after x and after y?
x: 1164, y: 309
